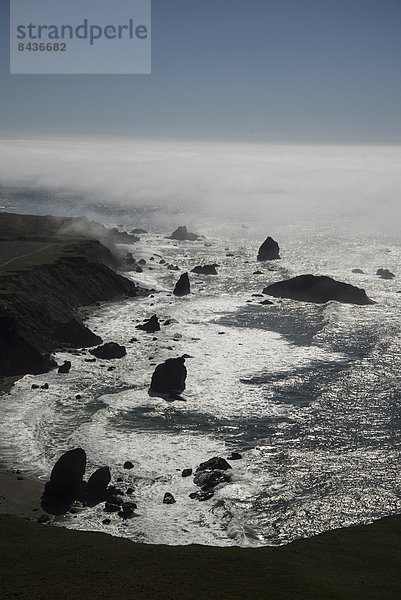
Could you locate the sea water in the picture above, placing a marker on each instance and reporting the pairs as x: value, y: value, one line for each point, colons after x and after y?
x: 309, y: 394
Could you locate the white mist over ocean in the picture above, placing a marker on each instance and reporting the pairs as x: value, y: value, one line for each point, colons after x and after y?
x: 310, y: 395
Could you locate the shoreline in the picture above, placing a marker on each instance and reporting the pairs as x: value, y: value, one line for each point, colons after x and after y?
x: 362, y: 561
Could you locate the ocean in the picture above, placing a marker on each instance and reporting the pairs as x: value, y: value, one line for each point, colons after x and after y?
x: 309, y: 395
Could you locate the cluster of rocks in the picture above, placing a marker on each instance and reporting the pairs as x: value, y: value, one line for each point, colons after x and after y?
x: 67, y: 489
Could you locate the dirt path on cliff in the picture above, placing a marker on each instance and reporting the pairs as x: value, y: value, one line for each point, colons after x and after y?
x: 7, y: 262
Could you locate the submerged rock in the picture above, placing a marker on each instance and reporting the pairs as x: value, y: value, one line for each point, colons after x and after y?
x: 169, y: 376
x: 319, y: 289
x: 385, y: 274
x: 182, y: 287
x: 109, y: 350
x: 205, y: 269
x: 151, y: 325
x: 182, y: 233
x: 201, y: 496
x: 269, y: 250
x: 357, y: 271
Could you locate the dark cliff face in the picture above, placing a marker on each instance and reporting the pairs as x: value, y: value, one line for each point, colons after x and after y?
x: 38, y: 310
x: 319, y: 289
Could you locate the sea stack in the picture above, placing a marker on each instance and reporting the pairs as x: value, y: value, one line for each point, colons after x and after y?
x: 182, y: 234
x: 182, y: 287
x: 319, y: 289
x: 169, y: 376
x: 269, y: 250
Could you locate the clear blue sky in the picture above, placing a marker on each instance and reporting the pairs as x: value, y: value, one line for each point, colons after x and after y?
x: 281, y: 71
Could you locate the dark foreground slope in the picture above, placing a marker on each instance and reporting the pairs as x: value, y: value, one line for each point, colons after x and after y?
x: 48, y: 268
x: 42, y: 562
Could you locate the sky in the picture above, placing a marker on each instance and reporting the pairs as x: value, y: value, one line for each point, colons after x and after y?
x: 265, y: 71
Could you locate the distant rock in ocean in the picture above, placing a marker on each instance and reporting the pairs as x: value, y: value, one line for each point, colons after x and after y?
x: 182, y: 234
x: 319, y: 289
x: 385, y: 274
x: 205, y: 269
x: 182, y: 287
x: 109, y: 350
x: 269, y: 250
x: 169, y: 376
x: 357, y: 271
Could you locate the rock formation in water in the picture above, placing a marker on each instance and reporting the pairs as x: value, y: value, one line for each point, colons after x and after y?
x: 205, y: 269
x: 109, y: 350
x: 150, y: 325
x: 385, y: 274
x: 66, y: 476
x: 211, y: 473
x: 269, y: 250
x: 182, y: 287
x: 65, y: 367
x: 96, y: 488
x: 319, y: 289
x: 169, y: 376
x: 182, y: 234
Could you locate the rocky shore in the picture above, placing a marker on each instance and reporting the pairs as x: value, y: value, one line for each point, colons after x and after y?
x: 39, y: 562
x: 53, y: 266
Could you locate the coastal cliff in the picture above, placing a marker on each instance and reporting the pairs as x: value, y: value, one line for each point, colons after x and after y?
x: 51, y: 268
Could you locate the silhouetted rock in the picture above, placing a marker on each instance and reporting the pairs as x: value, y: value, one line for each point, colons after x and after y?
x: 111, y: 507
x: 127, y: 510
x: 66, y: 476
x: 151, y: 325
x: 319, y: 289
x: 205, y: 269
x: 109, y: 350
x: 97, y: 484
x: 182, y: 233
x: 234, y: 456
x: 182, y: 287
x: 210, y: 479
x: 269, y: 250
x: 65, y: 367
x: 357, y: 271
x: 257, y: 273
x: 173, y: 268
x: 128, y: 465
x: 385, y: 274
x: 138, y: 231
x: 168, y: 498
x: 169, y: 376
x: 186, y: 472
x: 217, y: 462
